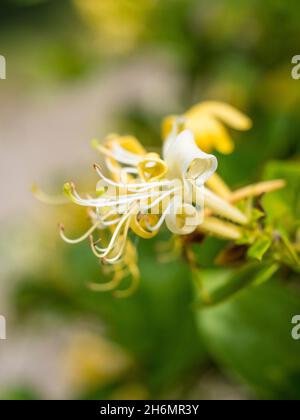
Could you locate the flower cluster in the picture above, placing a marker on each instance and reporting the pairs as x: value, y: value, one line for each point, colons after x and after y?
x: 140, y: 191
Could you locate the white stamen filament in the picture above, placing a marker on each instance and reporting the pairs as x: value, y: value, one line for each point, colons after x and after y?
x: 103, y: 252
x: 120, y: 154
x: 129, y: 186
x: 161, y: 197
x: 160, y: 221
x: 109, y: 202
x: 81, y: 238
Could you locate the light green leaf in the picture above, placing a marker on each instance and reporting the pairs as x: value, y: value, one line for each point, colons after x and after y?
x: 258, y: 250
x: 283, y: 206
x: 217, y: 285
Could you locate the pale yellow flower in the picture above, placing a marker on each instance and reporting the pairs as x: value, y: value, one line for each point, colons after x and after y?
x: 207, y: 121
x: 118, y: 24
x: 145, y: 191
x: 91, y: 360
x: 139, y: 191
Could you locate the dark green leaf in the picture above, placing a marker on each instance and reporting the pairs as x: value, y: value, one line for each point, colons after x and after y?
x: 250, y: 337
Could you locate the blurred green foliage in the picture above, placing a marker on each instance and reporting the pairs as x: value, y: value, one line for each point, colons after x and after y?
x: 251, y: 339
x: 245, y: 330
x: 156, y: 325
x: 239, y: 52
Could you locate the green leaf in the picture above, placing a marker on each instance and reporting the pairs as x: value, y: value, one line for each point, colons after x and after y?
x: 257, y: 214
x: 283, y: 206
x: 258, y: 250
x: 217, y: 285
x: 20, y: 393
x: 266, y: 274
x: 250, y: 337
x: 290, y: 249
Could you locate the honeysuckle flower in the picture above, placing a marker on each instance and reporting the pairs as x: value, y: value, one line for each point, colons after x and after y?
x: 186, y: 160
x: 207, y: 122
x: 145, y: 191
x: 139, y: 192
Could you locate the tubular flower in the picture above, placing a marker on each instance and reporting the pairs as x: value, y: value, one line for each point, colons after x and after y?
x: 144, y: 191
x: 207, y: 122
x: 140, y: 191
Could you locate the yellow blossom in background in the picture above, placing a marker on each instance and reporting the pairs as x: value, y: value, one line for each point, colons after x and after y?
x: 91, y: 360
x: 119, y: 24
x: 208, y: 121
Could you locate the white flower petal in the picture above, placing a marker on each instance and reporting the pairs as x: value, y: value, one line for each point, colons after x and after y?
x: 183, y: 218
x: 185, y: 159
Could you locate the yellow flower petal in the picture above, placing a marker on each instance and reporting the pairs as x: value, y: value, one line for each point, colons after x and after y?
x: 167, y: 125
x: 218, y: 186
x: 210, y: 134
x: 152, y: 168
x: 226, y: 113
x: 138, y: 225
x: 207, y: 121
x: 131, y: 144
x: 220, y: 228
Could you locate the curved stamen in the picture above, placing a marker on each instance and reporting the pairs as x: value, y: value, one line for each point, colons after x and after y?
x: 103, y: 252
x: 104, y: 201
x: 120, y: 170
x: 111, y: 285
x: 161, y: 197
x: 81, y: 238
x: 111, y: 244
x: 119, y: 154
x: 135, y: 280
x: 93, y: 247
x: 128, y: 186
x: 111, y: 222
x: 117, y: 257
x: 55, y: 200
x: 122, y: 155
x: 160, y: 221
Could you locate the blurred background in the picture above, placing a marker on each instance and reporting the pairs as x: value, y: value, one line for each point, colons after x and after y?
x: 78, y: 69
